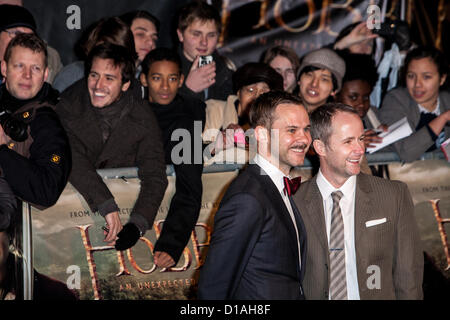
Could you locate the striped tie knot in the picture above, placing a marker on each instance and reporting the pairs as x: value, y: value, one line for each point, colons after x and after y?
x: 336, y: 196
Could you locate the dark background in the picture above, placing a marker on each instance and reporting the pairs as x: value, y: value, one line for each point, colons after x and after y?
x: 242, y: 42
x: 51, y: 17
x: 243, y: 39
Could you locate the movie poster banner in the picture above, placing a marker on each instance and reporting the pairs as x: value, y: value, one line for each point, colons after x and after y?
x: 429, y: 184
x: 68, y: 245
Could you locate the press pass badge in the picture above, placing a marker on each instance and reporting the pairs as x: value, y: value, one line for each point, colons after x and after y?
x: 204, y: 60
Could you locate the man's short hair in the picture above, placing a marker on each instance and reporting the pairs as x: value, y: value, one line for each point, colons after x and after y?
x: 120, y: 56
x: 27, y: 40
x: 262, y: 110
x: 322, y: 120
x: 160, y: 54
x: 198, y: 10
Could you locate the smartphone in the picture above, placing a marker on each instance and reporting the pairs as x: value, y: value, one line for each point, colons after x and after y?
x: 204, y: 60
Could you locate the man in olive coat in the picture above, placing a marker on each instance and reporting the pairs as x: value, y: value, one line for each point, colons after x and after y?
x: 109, y: 126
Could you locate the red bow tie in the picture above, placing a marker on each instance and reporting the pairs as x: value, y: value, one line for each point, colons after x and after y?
x: 291, y: 185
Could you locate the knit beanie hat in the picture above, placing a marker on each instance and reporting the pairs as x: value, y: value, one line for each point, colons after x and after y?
x: 253, y: 72
x: 15, y: 16
x: 325, y: 59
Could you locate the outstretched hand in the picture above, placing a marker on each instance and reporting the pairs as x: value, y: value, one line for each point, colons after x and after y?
x: 371, y: 137
x: 359, y: 34
x: 163, y: 259
x: 113, y: 225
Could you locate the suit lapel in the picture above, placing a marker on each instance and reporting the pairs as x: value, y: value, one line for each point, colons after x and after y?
x: 363, y: 205
x: 301, y: 234
x: 363, y: 210
x: 315, y: 211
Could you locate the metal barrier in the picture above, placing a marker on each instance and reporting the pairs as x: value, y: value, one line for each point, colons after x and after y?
x: 380, y: 158
x: 132, y: 172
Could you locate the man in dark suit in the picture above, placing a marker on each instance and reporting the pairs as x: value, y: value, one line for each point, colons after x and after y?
x: 363, y: 241
x: 258, y: 246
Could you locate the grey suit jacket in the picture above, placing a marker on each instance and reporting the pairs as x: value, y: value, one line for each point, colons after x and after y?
x: 398, y: 104
x: 394, y: 246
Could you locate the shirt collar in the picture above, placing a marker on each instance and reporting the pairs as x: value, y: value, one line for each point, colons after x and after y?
x: 273, y: 172
x: 326, y: 188
x: 436, y: 110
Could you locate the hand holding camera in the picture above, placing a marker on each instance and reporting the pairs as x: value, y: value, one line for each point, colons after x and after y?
x: 202, y: 74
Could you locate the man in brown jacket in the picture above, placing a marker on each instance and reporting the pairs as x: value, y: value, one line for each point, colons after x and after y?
x: 363, y: 240
x: 110, y: 126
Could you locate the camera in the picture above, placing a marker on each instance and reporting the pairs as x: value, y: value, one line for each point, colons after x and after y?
x: 13, y: 127
x: 395, y: 31
x: 204, y: 60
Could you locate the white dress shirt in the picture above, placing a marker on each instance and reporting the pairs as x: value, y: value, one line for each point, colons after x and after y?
x: 347, y: 205
x: 278, y: 179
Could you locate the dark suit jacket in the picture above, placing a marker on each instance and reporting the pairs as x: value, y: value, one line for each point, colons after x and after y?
x: 393, y: 246
x: 253, y: 252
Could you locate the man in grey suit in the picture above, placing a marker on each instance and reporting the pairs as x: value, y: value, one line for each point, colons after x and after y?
x: 258, y: 247
x: 363, y: 241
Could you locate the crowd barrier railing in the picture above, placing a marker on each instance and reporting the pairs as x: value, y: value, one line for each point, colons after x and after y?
x: 439, y: 186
